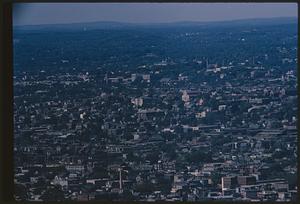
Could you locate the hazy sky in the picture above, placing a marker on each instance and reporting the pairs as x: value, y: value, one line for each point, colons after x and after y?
x: 52, y: 13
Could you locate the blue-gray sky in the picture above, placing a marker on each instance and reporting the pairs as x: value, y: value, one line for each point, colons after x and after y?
x: 53, y: 13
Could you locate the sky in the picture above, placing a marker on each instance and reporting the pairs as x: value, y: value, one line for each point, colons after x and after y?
x: 57, y: 13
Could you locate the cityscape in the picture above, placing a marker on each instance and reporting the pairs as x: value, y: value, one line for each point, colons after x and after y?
x: 190, y: 111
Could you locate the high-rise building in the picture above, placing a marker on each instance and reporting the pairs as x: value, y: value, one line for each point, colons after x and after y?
x: 246, y: 180
x: 229, y: 182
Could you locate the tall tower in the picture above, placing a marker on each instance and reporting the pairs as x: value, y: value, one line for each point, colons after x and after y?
x: 206, y: 63
x: 120, y: 180
x: 106, y: 78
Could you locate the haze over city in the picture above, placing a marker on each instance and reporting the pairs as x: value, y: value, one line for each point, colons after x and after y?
x: 57, y: 13
x: 183, y: 111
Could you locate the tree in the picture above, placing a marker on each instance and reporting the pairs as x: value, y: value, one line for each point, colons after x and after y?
x: 145, y: 188
x: 100, y: 172
x: 216, y: 178
x: 199, y: 156
x: 21, y: 192
x: 152, y: 157
x: 53, y: 193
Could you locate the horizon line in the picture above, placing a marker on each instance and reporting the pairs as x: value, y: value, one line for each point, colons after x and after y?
x: 157, y: 23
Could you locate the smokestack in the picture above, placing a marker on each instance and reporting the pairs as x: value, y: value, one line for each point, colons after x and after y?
x: 120, y: 179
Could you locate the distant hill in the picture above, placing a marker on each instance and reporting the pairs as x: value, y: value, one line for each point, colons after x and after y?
x: 122, y: 25
x: 256, y: 21
x: 77, y: 26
